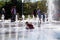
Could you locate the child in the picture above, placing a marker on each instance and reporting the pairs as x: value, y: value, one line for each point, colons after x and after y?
x: 29, y: 26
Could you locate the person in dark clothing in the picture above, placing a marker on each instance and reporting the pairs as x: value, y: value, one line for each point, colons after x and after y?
x: 13, y: 12
x: 29, y: 26
x: 2, y: 12
x: 7, y: 8
x: 34, y: 13
x: 43, y: 14
x: 39, y: 12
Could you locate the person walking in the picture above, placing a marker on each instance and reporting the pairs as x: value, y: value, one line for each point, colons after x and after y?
x: 43, y: 14
x: 39, y: 14
x: 34, y: 13
x: 3, y: 12
x: 13, y: 12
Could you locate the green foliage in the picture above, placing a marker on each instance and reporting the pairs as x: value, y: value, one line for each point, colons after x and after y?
x: 29, y: 7
x: 2, y: 4
x: 42, y: 6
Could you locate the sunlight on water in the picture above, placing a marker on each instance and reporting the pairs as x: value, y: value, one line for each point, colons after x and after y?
x: 50, y: 8
x: 43, y: 32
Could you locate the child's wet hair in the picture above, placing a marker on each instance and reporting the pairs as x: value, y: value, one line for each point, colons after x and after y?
x: 26, y: 22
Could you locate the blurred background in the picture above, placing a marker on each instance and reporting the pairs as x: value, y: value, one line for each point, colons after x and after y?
x: 24, y: 7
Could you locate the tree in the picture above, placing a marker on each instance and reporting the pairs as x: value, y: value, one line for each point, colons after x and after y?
x: 29, y: 7
x: 42, y: 5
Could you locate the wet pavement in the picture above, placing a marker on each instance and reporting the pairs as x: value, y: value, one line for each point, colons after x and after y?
x: 46, y: 31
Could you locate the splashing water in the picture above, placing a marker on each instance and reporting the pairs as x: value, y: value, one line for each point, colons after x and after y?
x: 53, y: 10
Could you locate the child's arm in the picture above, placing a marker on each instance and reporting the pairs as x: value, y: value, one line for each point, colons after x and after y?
x: 27, y: 27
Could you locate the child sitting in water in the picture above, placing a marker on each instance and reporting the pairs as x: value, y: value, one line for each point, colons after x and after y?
x: 29, y: 26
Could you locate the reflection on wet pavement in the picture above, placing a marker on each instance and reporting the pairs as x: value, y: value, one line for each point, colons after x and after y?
x: 41, y: 33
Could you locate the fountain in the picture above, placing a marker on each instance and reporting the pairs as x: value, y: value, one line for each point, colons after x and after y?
x: 2, y: 17
x: 43, y: 33
x: 29, y: 17
x: 54, y: 10
x: 23, y: 17
x: 33, y: 17
x: 16, y: 18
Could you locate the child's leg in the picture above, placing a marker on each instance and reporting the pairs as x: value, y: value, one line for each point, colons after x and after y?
x: 43, y: 18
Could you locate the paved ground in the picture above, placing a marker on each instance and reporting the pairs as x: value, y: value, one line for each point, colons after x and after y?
x: 46, y: 31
